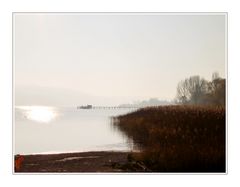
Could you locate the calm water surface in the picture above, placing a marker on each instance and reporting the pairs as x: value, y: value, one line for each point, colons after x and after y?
x: 67, y: 129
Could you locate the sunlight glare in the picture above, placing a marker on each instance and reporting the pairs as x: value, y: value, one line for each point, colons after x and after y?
x: 41, y: 114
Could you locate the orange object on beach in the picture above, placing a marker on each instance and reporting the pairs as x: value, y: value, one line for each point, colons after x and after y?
x: 18, y: 162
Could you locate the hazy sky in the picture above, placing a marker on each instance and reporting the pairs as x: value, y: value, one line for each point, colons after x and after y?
x: 77, y: 56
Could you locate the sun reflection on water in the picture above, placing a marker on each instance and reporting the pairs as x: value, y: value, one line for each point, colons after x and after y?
x: 40, y: 114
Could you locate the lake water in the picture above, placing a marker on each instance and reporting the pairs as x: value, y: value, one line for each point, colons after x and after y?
x: 67, y: 129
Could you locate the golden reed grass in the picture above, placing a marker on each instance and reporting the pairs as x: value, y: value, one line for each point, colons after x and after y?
x: 177, y: 138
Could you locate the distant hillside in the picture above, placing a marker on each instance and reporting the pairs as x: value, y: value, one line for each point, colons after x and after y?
x: 55, y: 96
x: 150, y: 102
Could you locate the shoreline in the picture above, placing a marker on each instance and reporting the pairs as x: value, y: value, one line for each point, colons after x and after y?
x: 182, y: 139
x: 93, y: 161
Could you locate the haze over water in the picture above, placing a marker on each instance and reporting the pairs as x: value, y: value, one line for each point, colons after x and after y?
x: 41, y: 129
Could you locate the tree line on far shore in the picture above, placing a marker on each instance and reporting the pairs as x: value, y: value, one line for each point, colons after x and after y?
x: 198, y: 91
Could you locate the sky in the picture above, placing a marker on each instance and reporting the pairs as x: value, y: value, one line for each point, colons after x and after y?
x: 110, y: 59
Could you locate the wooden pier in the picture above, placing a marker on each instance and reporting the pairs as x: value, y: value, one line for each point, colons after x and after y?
x: 106, y: 107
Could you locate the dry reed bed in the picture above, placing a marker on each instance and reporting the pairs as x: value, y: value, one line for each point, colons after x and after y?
x: 177, y: 138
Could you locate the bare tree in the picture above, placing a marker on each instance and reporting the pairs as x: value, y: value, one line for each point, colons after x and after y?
x: 196, y: 90
x: 216, y: 92
x: 191, y: 90
x: 183, y: 94
x: 215, y: 76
